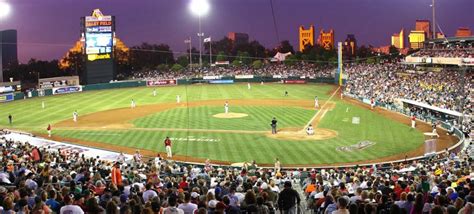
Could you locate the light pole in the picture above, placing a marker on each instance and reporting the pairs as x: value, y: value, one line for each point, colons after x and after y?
x: 188, y: 41
x: 199, y: 8
x: 434, y: 20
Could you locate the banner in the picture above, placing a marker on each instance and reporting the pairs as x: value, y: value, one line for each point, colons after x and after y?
x: 6, y: 89
x: 211, y: 77
x: 221, y: 81
x: 295, y: 82
x: 161, y: 82
x: 469, y: 61
x: 277, y: 76
x: 6, y: 98
x: 67, y: 90
x: 243, y: 76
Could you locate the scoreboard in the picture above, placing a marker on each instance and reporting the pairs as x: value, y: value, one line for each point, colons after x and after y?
x: 98, y: 34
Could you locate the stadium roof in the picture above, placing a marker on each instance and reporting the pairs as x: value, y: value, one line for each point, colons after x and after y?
x: 452, y: 40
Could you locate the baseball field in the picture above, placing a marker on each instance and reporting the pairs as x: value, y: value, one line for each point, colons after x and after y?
x: 345, y: 130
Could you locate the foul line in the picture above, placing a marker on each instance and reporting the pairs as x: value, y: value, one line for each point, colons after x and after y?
x: 322, y: 107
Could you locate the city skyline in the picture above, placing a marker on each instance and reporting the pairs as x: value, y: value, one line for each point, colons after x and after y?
x: 48, y: 30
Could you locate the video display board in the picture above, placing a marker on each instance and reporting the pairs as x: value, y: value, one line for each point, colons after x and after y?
x: 98, y: 36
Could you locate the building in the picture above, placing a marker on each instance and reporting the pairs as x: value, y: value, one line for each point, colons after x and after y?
x: 424, y: 25
x: 8, y: 50
x: 416, y: 39
x: 238, y: 38
x: 440, y: 35
x: 350, y: 46
x: 398, y: 39
x: 306, y: 37
x: 326, y: 39
x: 463, y: 32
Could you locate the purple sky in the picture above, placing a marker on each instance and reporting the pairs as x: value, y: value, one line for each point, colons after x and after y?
x: 48, y: 28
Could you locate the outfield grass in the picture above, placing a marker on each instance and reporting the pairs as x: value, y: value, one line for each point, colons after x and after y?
x: 390, y: 137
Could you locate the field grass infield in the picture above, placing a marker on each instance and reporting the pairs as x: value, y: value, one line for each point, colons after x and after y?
x: 345, y: 132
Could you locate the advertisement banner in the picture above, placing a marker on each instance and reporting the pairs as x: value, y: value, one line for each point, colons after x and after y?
x: 211, y: 77
x: 6, y: 89
x: 6, y: 98
x: 221, y: 81
x: 277, y: 76
x: 469, y: 61
x: 243, y: 76
x: 295, y: 82
x: 161, y: 82
x: 67, y: 90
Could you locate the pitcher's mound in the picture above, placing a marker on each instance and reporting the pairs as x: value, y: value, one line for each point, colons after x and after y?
x: 319, y: 134
x: 230, y: 115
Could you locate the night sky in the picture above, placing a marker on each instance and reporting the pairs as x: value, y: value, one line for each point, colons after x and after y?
x: 48, y: 28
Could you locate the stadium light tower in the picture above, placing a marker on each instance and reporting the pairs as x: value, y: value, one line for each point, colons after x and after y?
x: 4, y: 9
x: 434, y: 20
x: 199, y: 8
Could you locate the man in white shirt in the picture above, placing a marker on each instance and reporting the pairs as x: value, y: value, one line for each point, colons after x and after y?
x: 149, y: 193
x: 69, y: 208
x: 187, y: 206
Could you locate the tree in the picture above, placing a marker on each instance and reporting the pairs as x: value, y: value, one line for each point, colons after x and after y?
x: 183, y: 61
x: 177, y: 67
x: 148, y: 56
x: 290, y: 60
x: 236, y: 63
x: 244, y: 57
x: 257, y: 64
x: 221, y: 56
x: 285, y: 47
x: 394, y: 52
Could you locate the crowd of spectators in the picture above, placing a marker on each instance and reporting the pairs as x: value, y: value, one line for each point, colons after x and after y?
x: 387, y: 82
x: 447, y: 50
x: 43, y: 180
x: 268, y: 70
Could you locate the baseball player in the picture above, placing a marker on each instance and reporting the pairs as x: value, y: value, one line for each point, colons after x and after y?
x: 154, y: 92
x: 10, y: 119
x: 286, y: 93
x: 433, y: 125
x: 316, y: 102
x: 226, y: 107
x: 248, y: 86
x: 42, y: 104
x: 274, y: 126
x: 75, y: 115
x: 372, y: 103
x: 49, y: 130
x: 178, y: 99
x: 169, y: 154
x: 310, y: 130
x: 413, y: 121
x: 133, y: 104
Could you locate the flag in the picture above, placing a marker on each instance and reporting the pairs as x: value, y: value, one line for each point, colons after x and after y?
x: 187, y: 41
x: 208, y: 39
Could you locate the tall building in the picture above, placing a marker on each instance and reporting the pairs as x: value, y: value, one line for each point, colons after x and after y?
x: 398, y: 39
x: 463, y: 32
x: 424, y: 25
x: 417, y: 38
x: 350, y: 46
x: 306, y: 37
x: 326, y: 39
x: 238, y: 38
x: 8, y: 50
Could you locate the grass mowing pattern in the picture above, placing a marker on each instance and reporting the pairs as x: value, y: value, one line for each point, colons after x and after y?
x: 390, y: 137
x: 258, y: 118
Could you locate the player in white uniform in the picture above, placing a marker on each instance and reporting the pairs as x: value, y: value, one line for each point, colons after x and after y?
x: 248, y: 86
x: 372, y: 103
x: 226, y: 107
x: 178, y: 99
x: 133, y: 104
x: 413, y: 121
x: 42, y: 104
x: 310, y: 130
x: 154, y: 92
x: 74, y: 116
x: 316, y: 102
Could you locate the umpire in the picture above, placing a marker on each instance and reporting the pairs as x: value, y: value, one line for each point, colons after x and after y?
x: 288, y: 199
x: 274, y: 126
